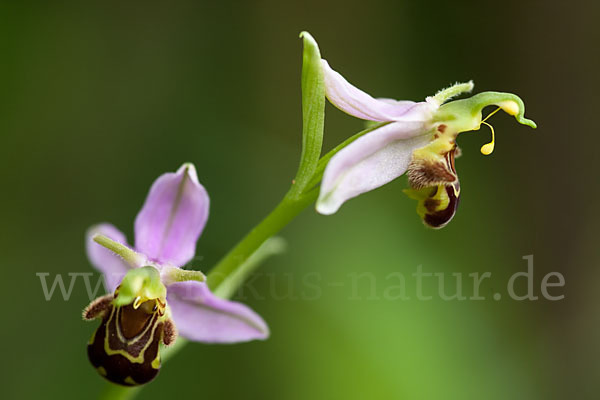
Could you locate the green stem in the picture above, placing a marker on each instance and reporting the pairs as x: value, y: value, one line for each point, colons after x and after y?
x: 285, y: 211
x: 273, y: 246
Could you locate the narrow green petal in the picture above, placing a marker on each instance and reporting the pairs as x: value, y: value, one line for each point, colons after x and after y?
x: 446, y: 94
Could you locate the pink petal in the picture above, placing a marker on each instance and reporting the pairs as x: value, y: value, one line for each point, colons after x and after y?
x: 355, y: 102
x: 201, y: 316
x: 173, y: 217
x: 369, y: 162
x: 112, y: 266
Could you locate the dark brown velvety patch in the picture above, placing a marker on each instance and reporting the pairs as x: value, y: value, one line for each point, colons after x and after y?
x: 440, y: 218
x: 134, y: 321
x: 425, y: 174
x: 118, y: 368
x: 431, y: 204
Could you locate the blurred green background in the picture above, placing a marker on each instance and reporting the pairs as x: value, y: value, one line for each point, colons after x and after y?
x: 98, y: 99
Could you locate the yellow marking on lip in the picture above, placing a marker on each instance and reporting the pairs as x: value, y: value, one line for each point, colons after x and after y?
x: 91, y: 341
x: 130, y: 381
x: 135, y: 339
x: 442, y: 197
x: 101, y: 371
x: 136, y: 360
x: 156, y: 362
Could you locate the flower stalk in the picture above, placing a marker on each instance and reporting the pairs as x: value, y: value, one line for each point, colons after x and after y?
x: 281, y: 215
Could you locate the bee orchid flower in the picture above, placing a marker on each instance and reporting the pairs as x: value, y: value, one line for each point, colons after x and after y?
x: 416, y: 138
x: 151, y: 298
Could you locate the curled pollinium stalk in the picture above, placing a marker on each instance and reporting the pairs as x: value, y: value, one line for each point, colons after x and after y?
x: 153, y: 298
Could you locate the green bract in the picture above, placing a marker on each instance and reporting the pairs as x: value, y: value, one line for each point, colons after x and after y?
x: 313, y: 114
